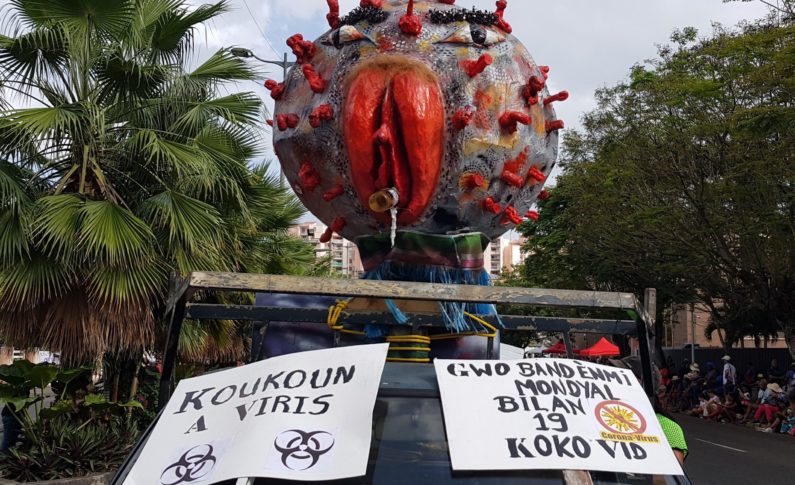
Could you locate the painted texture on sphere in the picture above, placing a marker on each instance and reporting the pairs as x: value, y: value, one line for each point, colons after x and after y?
x: 456, y: 117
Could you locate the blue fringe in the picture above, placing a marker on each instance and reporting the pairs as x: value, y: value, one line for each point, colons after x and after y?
x: 453, y: 315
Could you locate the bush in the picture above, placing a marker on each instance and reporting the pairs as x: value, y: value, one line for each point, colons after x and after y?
x: 78, y: 434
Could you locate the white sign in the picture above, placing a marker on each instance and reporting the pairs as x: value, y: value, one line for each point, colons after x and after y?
x: 305, y: 416
x: 550, y: 414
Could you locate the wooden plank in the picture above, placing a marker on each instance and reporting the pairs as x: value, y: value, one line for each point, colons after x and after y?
x: 411, y: 291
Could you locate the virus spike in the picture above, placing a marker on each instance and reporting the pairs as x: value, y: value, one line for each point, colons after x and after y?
x: 511, y: 178
x: 473, y: 68
x: 333, y: 193
x: 276, y: 89
x: 510, y: 119
x: 500, y: 13
x: 530, y: 91
x: 322, y: 113
x: 532, y: 215
x: 462, y: 118
x: 544, y: 71
x: 316, y: 83
x: 535, y: 175
x: 303, y: 49
x: 511, y: 216
x: 336, y: 226
x: 333, y: 16
x: 308, y: 177
x: 561, y: 96
x: 370, y: 3
x: 410, y: 24
x: 543, y: 195
x: 490, y: 205
x: 472, y: 181
x: 269, y: 122
x: 448, y: 2
x: 554, y: 125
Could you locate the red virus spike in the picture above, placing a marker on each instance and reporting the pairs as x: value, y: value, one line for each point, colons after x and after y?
x: 554, y: 125
x: 333, y: 193
x: 535, y: 175
x: 292, y: 120
x: 333, y: 16
x: 500, y: 13
x: 308, y: 177
x: 370, y: 3
x: 511, y: 216
x: 448, y: 2
x: 410, y: 24
x: 543, y: 195
x: 472, y: 181
x: 303, y: 49
x: 510, y: 119
x: 490, y: 205
x: 544, y: 71
x: 473, y: 68
x: 336, y: 226
x: 269, y: 122
x: 532, y: 215
x: 281, y: 122
x: 561, y: 96
x: 530, y: 91
x: 511, y: 178
x: 276, y: 89
x: 316, y: 83
x: 462, y: 118
x: 322, y: 113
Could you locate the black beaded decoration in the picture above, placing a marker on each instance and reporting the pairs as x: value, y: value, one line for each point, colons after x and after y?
x: 371, y: 14
x: 473, y: 16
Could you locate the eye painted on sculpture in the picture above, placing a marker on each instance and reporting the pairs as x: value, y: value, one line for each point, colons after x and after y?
x: 475, y: 34
x: 344, y: 35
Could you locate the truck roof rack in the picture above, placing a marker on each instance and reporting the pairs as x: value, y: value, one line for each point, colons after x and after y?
x: 180, y: 306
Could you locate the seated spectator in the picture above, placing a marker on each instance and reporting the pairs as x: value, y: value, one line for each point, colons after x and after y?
x: 788, y: 424
x: 726, y: 411
x: 779, y: 418
x: 773, y: 398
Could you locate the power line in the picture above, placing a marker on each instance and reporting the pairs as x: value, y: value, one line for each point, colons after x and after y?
x: 262, y: 32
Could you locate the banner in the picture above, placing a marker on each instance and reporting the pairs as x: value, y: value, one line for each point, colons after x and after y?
x: 550, y: 414
x: 305, y: 416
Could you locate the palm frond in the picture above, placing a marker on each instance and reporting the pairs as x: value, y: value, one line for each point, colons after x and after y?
x: 222, y: 66
x: 113, y: 235
x: 187, y: 221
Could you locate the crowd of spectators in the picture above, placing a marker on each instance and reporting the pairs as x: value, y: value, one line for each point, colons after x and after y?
x: 762, y: 399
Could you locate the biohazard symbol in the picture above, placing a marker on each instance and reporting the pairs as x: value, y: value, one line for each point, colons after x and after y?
x: 301, y: 450
x: 193, y: 465
x: 621, y: 418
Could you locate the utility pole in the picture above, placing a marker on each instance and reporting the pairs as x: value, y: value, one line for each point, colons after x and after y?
x: 284, y: 64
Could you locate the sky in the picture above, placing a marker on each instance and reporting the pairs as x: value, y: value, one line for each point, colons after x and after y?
x: 588, y: 43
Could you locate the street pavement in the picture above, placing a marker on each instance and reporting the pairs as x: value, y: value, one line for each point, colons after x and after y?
x: 727, y: 454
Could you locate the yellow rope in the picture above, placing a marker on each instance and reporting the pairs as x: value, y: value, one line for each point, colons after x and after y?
x: 409, y: 349
x: 334, y: 313
x: 412, y: 361
x: 484, y: 323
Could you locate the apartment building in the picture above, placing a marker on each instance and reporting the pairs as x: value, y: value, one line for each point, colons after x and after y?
x: 345, y: 257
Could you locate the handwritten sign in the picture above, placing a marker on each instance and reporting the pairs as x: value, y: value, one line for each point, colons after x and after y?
x: 305, y: 416
x: 550, y: 414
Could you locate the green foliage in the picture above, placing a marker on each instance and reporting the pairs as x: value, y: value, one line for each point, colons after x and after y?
x: 122, y: 166
x: 78, y: 434
x: 683, y: 179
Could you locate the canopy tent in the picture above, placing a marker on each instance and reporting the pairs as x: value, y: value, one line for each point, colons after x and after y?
x: 559, y: 348
x: 602, y: 348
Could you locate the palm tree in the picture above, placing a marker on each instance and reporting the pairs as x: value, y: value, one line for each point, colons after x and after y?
x: 122, y: 166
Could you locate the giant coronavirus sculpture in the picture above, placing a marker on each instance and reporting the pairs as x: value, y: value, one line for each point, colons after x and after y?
x: 418, y: 129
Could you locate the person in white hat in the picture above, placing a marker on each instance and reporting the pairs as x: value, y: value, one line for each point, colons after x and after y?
x: 770, y: 403
x: 729, y: 375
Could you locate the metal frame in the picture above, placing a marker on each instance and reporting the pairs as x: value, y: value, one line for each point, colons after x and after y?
x: 179, y: 307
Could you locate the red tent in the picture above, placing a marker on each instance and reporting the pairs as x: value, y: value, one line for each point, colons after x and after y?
x: 558, y: 348
x: 602, y: 348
